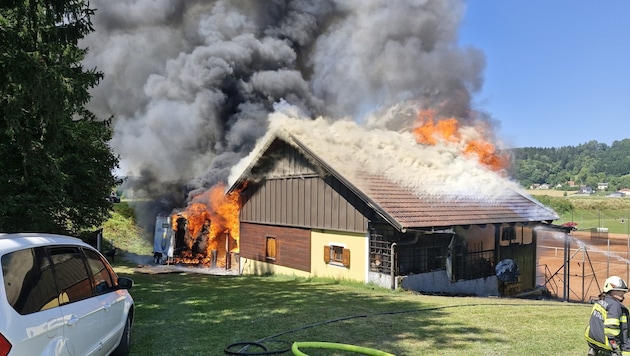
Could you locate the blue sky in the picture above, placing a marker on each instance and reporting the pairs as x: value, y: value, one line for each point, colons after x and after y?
x: 557, y: 71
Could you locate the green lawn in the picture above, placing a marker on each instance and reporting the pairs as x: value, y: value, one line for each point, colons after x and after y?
x: 200, y: 314
x: 593, y: 211
x: 615, y: 220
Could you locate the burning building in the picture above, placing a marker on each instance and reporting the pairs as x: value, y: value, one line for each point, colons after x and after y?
x: 414, y: 196
x: 338, y: 200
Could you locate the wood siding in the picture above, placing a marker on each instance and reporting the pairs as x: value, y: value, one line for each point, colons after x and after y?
x: 293, y: 245
x: 293, y: 193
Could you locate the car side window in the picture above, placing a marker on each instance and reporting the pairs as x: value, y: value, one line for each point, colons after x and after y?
x: 28, y: 281
x: 101, y: 277
x: 73, y: 279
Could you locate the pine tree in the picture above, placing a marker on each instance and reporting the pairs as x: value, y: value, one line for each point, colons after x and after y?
x: 56, y: 165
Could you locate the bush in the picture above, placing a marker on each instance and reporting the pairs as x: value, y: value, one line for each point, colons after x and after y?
x: 125, y: 210
x: 559, y: 204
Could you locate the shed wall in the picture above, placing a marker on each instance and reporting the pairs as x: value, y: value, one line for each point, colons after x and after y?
x: 309, y: 202
x: 294, y: 192
x: 293, y: 246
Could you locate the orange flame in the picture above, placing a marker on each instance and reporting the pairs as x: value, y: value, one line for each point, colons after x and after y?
x: 430, y: 131
x: 224, y: 214
x: 196, y: 214
x: 215, y: 214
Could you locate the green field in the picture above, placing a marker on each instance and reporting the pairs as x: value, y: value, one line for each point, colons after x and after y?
x: 616, y: 221
x: 596, y: 211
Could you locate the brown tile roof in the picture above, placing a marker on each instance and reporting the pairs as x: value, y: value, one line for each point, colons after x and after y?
x: 409, y: 210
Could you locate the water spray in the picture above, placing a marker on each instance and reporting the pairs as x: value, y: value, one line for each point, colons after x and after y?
x: 584, y: 247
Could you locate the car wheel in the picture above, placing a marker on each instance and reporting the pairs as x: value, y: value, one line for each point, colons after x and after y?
x: 125, y: 341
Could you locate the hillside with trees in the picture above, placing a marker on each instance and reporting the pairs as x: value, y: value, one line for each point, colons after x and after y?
x: 586, y: 165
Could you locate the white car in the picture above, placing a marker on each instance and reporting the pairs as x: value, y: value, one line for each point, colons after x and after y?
x: 60, y: 296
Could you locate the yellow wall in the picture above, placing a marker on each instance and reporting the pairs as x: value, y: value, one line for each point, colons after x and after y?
x: 260, y: 268
x: 356, y: 243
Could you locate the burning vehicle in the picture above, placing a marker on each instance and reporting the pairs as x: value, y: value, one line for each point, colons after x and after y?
x: 163, y: 244
x: 204, y: 234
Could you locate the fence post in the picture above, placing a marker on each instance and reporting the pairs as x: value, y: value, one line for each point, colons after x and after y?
x: 608, y: 259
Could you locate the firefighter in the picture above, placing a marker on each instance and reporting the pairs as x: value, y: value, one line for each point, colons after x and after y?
x: 607, y: 330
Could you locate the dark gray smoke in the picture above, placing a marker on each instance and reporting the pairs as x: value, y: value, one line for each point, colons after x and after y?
x: 190, y: 84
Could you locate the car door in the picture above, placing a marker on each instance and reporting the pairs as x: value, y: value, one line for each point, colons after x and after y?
x: 35, y: 318
x: 106, y: 295
x: 83, y: 328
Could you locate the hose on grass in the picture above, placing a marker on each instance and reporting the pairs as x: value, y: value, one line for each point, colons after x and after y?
x: 244, y: 350
x: 335, y: 346
x: 272, y: 338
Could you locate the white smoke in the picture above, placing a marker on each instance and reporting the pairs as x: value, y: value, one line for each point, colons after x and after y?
x: 191, y: 84
x: 352, y: 150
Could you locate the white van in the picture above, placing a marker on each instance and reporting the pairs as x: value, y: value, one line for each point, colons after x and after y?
x: 60, y: 296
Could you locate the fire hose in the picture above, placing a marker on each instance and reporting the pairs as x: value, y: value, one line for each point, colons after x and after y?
x: 335, y: 346
x: 259, y: 344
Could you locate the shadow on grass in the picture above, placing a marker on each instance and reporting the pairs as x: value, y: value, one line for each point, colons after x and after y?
x: 197, y: 314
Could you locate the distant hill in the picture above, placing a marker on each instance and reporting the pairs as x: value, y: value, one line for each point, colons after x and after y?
x: 586, y: 164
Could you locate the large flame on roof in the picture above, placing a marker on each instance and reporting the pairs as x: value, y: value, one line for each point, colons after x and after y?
x: 212, y: 215
x: 430, y: 130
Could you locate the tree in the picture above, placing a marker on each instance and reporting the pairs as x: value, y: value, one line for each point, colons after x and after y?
x: 586, y: 164
x: 57, y: 166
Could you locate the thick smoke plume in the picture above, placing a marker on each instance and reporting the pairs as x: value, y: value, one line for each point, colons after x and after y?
x: 190, y: 84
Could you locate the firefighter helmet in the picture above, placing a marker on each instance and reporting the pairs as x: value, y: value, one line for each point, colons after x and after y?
x: 615, y: 283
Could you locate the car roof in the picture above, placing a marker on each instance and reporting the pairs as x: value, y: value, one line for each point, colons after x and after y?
x: 17, y: 241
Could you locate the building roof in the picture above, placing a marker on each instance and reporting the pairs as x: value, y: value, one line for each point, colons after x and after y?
x: 410, y: 211
x: 408, y: 184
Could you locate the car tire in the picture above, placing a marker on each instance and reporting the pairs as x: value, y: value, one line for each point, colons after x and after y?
x: 125, y: 341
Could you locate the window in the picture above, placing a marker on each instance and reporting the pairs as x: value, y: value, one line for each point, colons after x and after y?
x: 28, y: 281
x: 270, y: 250
x: 102, y: 278
x: 337, y: 255
x: 31, y: 286
x: 435, y: 258
x: 426, y: 255
x: 73, y: 280
x: 508, y: 233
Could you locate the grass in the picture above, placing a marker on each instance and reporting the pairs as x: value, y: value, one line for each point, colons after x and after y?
x: 199, y: 314
x: 616, y: 221
x: 122, y: 231
x: 593, y: 211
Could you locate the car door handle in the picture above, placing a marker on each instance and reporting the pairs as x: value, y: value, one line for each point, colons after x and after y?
x: 73, y: 320
x: 107, y: 306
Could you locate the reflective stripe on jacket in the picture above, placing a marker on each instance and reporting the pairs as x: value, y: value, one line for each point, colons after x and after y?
x: 608, y: 321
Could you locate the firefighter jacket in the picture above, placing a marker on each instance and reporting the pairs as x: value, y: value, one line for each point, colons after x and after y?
x: 608, y: 321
